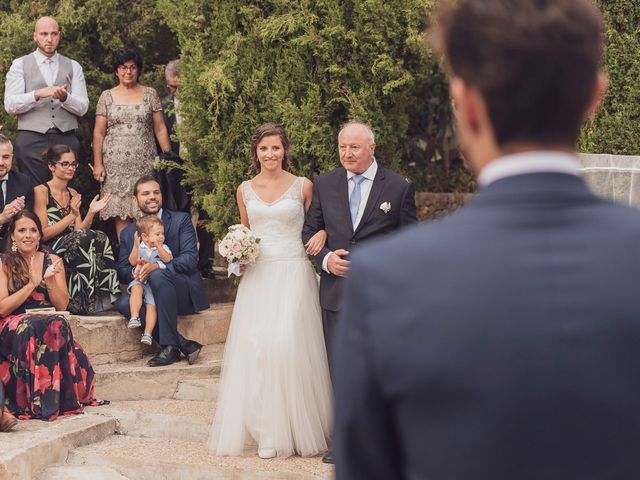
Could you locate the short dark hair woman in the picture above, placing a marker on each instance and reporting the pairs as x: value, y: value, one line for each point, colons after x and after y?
x: 58, y: 378
x: 91, y: 270
x: 128, y: 121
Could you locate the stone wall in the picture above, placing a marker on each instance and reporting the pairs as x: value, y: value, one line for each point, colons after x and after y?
x: 432, y: 206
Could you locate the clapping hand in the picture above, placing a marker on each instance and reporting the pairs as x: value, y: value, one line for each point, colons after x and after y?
x: 59, y: 92
x: 76, y: 201
x: 316, y: 243
x: 52, y: 269
x: 11, y: 209
x: 98, y: 203
x: 34, y: 277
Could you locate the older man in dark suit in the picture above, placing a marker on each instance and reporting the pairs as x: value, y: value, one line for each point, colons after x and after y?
x: 16, y: 189
x: 502, y: 342
x: 354, y: 203
x: 178, y: 288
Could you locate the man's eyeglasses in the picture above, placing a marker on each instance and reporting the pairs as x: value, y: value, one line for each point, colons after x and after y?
x: 66, y: 165
x: 128, y: 68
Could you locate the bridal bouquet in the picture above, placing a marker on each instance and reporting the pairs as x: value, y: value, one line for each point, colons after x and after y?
x: 239, y: 247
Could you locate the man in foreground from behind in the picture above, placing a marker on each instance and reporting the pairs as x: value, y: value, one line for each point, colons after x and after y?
x: 502, y: 342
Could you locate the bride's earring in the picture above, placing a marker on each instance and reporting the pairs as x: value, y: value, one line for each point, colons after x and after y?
x: 14, y: 246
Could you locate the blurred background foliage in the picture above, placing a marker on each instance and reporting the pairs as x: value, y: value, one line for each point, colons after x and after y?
x: 308, y: 64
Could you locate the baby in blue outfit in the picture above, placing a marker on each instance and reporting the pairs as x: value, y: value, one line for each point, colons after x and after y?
x: 148, y: 247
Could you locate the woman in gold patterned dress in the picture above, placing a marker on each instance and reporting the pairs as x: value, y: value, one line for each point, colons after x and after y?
x: 128, y: 120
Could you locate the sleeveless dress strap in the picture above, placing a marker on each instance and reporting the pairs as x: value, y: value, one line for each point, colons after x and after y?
x: 247, y: 192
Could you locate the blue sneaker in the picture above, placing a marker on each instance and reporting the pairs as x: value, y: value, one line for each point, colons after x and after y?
x: 147, y: 339
x: 134, y: 322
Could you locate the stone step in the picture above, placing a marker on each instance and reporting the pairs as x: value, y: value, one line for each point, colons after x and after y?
x: 170, y: 419
x: 106, y: 338
x: 220, y: 289
x: 80, y: 472
x: 153, y: 458
x: 197, y: 389
x: 136, y: 381
x: 35, y: 445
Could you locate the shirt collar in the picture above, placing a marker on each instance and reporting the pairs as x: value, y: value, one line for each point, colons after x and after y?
x: 369, y: 173
x: 40, y: 57
x: 529, y: 162
x: 6, y: 177
x: 159, y: 214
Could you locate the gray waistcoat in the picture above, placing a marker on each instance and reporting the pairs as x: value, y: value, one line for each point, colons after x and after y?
x: 48, y: 113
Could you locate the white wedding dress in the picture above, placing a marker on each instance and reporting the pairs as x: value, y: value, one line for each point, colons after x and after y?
x: 275, y: 390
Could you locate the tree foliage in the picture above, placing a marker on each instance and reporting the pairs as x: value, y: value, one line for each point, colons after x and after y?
x: 616, y: 128
x: 310, y: 65
x: 92, y: 30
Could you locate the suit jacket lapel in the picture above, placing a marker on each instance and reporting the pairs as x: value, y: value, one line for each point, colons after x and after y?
x: 374, y: 195
x: 11, y: 193
x: 166, y: 219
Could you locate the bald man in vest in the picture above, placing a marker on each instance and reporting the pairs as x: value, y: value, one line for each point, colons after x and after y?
x: 48, y: 93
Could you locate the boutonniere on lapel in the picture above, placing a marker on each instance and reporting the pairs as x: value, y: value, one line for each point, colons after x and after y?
x: 385, y: 207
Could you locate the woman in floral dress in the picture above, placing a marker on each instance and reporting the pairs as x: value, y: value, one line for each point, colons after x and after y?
x: 92, y: 279
x: 128, y: 120
x: 44, y: 372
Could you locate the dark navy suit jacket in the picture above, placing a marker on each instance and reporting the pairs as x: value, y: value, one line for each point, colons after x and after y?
x: 180, y: 236
x: 500, y: 343
x: 329, y: 210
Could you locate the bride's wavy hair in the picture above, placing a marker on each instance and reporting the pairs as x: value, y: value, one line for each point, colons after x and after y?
x: 15, y: 265
x: 268, y: 130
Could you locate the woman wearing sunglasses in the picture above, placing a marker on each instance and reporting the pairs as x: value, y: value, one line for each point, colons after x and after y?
x: 89, y: 262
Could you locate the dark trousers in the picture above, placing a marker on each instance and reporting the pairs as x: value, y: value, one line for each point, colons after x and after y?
x: 205, y: 252
x: 171, y: 294
x: 29, y: 147
x: 330, y: 329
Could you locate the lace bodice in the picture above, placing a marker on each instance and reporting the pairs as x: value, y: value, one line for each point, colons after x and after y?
x: 278, y: 224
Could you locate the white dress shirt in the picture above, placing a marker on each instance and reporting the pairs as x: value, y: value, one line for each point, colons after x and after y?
x: 17, y: 101
x: 543, y: 161
x: 365, y: 189
x: 4, y: 188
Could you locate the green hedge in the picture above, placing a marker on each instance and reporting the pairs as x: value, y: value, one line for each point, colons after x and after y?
x: 616, y: 128
x: 310, y: 65
x: 92, y: 31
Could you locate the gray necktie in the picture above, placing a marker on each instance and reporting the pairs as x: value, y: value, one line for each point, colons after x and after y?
x: 354, y: 200
x: 48, y: 63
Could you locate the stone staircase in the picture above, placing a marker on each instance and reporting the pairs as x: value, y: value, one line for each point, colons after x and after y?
x: 157, y: 424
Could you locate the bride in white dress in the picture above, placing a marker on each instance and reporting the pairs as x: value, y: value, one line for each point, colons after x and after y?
x: 275, y: 390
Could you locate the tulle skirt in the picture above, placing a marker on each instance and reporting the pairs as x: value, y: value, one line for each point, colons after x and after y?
x: 275, y: 390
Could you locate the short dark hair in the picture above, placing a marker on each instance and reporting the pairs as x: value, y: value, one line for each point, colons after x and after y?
x: 268, y: 130
x: 125, y: 55
x: 144, y: 179
x: 52, y: 154
x: 535, y: 62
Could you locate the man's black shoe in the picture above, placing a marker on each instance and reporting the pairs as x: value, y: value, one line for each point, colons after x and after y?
x: 328, y: 457
x: 166, y: 356
x: 208, y: 272
x: 191, y: 350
